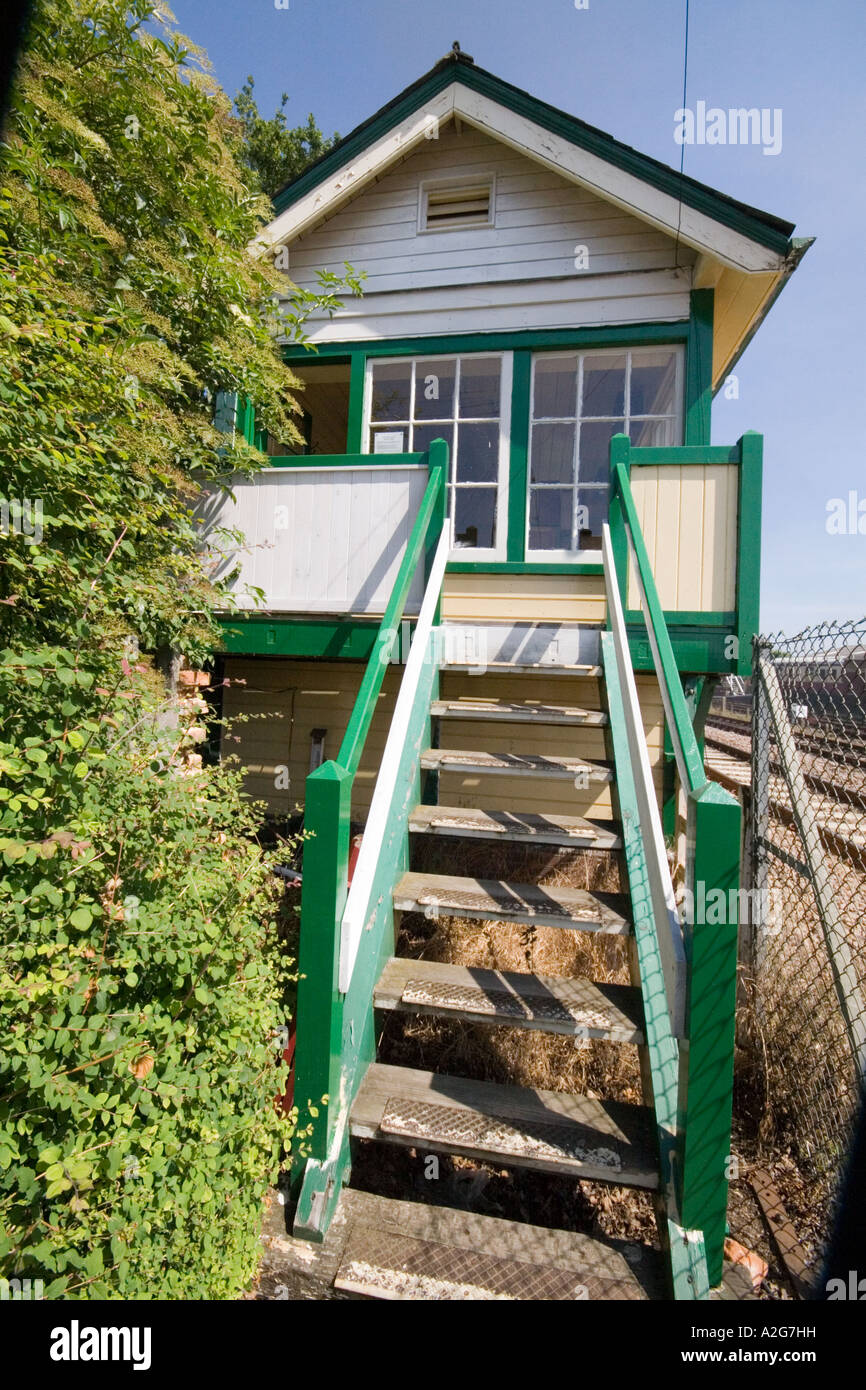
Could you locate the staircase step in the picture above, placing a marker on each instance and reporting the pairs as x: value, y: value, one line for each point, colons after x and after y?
x: 577, y: 1008
x: 527, y: 712
x: 513, y: 764
x: 525, y: 827
x: 388, y: 1248
x: 507, y: 668
x: 550, y: 1131
x: 392, y: 1265
x: 491, y: 899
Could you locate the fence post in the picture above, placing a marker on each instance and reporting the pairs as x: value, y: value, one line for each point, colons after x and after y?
x: 842, y: 968
x: 760, y: 812
x: 707, y: 1060
x: 327, y: 813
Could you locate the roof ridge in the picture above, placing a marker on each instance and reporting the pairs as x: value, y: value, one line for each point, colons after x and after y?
x: 457, y: 66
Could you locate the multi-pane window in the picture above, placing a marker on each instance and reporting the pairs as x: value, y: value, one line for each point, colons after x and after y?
x: 458, y: 399
x: 579, y: 401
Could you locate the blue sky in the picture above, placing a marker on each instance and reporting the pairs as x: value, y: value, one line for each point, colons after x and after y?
x: 618, y: 64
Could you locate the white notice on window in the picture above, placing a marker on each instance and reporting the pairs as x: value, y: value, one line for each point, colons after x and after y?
x: 388, y: 442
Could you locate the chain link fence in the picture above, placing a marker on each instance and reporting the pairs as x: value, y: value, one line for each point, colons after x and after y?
x: 802, y: 1023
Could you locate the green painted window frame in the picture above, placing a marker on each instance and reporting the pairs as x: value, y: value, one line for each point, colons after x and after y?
x: 497, y: 554
x: 579, y: 420
x: 695, y: 333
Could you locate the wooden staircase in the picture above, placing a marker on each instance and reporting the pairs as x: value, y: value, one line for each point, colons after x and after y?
x: 677, y: 1008
x: 573, y: 1136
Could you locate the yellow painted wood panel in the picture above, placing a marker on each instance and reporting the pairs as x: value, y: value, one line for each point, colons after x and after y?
x: 739, y: 300
x: 279, y: 705
x: 523, y: 597
x: 688, y: 515
x: 272, y: 706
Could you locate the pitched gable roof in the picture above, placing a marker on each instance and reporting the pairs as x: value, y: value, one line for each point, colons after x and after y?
x: 744, y: 254
x: 455, y: 85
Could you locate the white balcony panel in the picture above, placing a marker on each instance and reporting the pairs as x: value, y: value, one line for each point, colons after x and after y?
x: 319, y: 540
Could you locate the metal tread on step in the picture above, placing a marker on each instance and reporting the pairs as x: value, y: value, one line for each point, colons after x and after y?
x: 551, y: 1131
x: 518, y: 712
x: 507, y: 668
x: 384, y: 1247
x: 526, y: 827
x: 391, y: 1265
x: 496, y: 900
x: 576, y: 1008
x: 514, y: 764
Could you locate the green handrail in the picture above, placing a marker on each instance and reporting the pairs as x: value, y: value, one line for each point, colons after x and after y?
x: 705, y: 1082
x: 333, y: 1045
x: 689, y: 754
x: 432, y: 503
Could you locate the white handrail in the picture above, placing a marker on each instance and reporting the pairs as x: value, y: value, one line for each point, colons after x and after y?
x: 357, y: 909
x: 668, y: 926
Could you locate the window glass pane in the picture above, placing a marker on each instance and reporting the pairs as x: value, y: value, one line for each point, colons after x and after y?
x: 555, y: 387
x: 550, y: 519
x: 475, y: 517
x: 594, y: 449
x: 603, y: 385
x: 592, y: 505
x: 651, y: 434
x: 477, y: 453
x: 423, y: 436
x: 434, y: 389
x: 553, y: 453
x: 391, y: 387
x: 479, y: 387
x: 388, y: 446
x: 653, y: 377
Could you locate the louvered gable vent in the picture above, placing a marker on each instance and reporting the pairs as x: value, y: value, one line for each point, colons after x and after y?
x: 457, y: 205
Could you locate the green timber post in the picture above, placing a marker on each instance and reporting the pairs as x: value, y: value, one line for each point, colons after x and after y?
x: 620, y: 449
x: 517, y: 463
x: 669, y: 783
x: 355, y: 426
x: 327, y: 813
x: 699, y: 369
x: 707, y: 1061
x: 751, y: 446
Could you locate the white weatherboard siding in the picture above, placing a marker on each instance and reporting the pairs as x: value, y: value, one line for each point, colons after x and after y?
x: 575, y: 164
x: 323, y: 540
x: 518, y: 274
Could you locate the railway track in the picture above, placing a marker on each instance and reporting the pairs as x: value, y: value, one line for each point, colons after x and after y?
x: 842, y: 741
x: 838, y: 806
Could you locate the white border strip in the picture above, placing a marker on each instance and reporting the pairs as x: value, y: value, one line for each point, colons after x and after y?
x: 671, y: 945
x: 357, y: 909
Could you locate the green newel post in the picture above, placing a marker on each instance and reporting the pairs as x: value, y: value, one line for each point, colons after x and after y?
x: 707, y: 1064
x: 620, y: 449
x: 323, y: 898
x: 751, y: 447
x: 437, y: 466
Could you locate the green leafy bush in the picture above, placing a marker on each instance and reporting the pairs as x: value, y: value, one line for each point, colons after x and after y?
x: 141, y: 980
x: 140, y: 995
